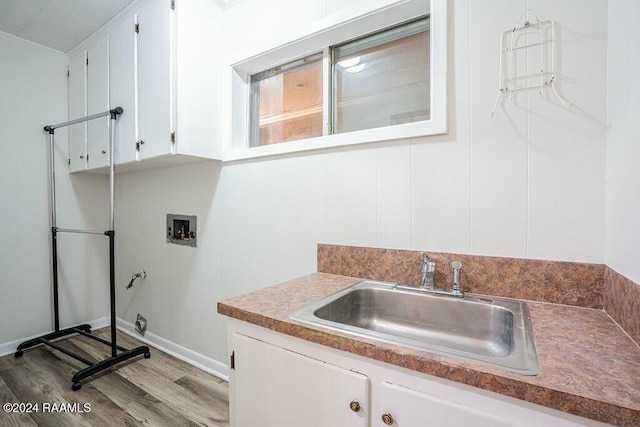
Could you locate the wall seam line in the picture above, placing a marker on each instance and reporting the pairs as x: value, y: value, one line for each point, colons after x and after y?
x: 528, y: 125
x: 470, y: 121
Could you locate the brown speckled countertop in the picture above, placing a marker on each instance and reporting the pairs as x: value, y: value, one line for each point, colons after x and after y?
x: 588, y: 365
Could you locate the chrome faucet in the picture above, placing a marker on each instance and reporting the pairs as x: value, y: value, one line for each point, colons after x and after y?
x: 428, y: 271
x: 427, y: 284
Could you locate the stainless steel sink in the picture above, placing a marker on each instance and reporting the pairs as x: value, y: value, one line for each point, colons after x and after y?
x: 490, y: 331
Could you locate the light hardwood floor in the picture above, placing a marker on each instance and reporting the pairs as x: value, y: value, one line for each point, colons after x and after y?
x: 160, y: 391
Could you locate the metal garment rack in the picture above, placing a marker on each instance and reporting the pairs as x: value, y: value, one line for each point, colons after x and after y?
x: 84, y: 329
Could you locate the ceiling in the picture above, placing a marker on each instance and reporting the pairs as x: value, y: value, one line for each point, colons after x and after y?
x: 61, y: 24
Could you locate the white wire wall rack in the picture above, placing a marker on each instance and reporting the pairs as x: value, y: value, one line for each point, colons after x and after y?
x: 528, y: 46
x: 118, y: 354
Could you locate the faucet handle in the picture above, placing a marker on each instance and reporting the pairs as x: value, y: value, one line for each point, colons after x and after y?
x: 427, y: 265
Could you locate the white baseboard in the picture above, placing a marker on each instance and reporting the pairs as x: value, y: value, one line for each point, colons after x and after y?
x: 191, y: 357
x: 10, y: 347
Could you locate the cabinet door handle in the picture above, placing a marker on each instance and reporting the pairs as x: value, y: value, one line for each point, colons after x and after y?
x: 355, y: 406
x: 82, y: 157
x: 104, y: 152
x: 387, y: 418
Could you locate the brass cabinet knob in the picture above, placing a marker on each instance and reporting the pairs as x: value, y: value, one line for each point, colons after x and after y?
x: 387, y: 419
x: 355, y: 406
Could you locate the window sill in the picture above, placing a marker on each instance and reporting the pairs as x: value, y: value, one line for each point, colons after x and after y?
x: 387, y: 133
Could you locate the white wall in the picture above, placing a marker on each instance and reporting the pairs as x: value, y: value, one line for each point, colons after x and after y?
x: 33, y: 84
x: 528, y: 183
x: 178, y: 297
x: 623, y: 141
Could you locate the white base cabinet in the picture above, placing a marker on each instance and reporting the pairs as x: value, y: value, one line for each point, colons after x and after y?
x: 278, y: 380
x: 270, y: 378
x: 407, y: 407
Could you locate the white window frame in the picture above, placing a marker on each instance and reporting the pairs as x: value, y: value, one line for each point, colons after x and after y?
x: 332, y: 31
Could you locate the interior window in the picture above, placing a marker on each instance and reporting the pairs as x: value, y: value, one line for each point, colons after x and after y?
x: 382, y: 79
x: 385, y: 84
x: 287, y: 102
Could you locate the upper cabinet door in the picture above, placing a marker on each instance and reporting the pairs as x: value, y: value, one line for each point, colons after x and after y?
x: 155, y: 84
x: 122, y: 73
x: 77, y: 109
x: 98, y: 102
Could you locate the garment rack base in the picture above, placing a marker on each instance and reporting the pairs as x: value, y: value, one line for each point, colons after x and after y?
x: 94, y: 367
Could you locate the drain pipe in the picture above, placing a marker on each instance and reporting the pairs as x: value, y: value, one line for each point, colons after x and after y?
x: 141, y: 325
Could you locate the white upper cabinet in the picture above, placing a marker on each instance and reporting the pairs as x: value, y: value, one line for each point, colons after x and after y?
x: 155, y: 97
x: 89, y: 94
x: 164, y: 74
x: 198, y: 85
x: 160, y: 62
x: 78, y: 108
x: 98, y: 102
x: 122, y: 73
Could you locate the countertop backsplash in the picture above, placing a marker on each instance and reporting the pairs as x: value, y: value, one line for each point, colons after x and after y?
x: 570, y: 283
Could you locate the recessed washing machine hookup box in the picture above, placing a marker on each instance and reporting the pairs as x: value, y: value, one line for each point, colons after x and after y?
x: 182, y: 229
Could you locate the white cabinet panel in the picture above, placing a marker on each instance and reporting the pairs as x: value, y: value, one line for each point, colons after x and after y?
x: 122, y: 73
x: 154, y: 79
x: 77, y: 108
x: 410, y: 408
x: 285, y: 381
x: 146, y: 77
x: 98, y: 102
x: 89, y: 94
x: 276, y: 387
x: 199, y: 78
